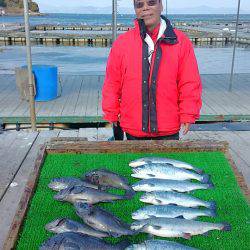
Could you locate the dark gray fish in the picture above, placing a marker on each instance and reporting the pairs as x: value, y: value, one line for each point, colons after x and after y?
x: 102, y: 220
x: 64, y: 225
x: 105, y: 179
x: 159, y: 245
x: 87, y: 195
x: 76, y: 241
x: 58, y: 184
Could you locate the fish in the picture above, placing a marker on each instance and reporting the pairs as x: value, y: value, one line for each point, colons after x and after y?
x: 58, y: 184
x: 159, y: 245
x: 104, y: 179
x: 88, y: 195
x: 174, y: 198
x: 161, y: 160
x: 63, y: 225
x: 102, y: 220
x: 70, y: 240
x: 168, y: 227
x: 171, y: 211
x: 149, y: 185
x: 167, y: 172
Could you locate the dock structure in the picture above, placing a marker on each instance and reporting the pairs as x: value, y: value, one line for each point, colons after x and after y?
x: 103, y: 40
x: 80, y: 101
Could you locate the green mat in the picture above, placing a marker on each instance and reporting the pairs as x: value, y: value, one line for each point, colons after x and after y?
x: 232, y: 205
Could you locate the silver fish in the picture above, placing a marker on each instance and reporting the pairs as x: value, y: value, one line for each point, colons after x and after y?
x: 88, y: 195
x: 64, y: 225
x: 159, y: 245
x: 174, y: 198
x: 170, y: 211
x: 58, y: 184
x: 102, y: 220
x: 70, y: 241
x: 150, y: 185
x: 175, y: 163
x: 167, y: 172
x: 167, y: 227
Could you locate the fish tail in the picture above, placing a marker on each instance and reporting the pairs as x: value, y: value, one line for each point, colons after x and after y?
x: 129, y: 193
x: 212, y: 205
x: 211, y: 213
x: 210, y: 185
x: 205, y: 178
x: 198, y: 170
x: 226, y: 227
x: 123, y: 244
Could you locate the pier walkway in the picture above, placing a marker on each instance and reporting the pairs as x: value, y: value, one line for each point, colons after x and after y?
x: 80, y: 100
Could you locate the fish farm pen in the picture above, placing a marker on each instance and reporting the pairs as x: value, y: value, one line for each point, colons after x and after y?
x: 74, y: 157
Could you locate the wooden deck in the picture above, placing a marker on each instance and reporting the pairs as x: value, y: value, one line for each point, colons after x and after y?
x: 18, y: 151
x: 80, y: 101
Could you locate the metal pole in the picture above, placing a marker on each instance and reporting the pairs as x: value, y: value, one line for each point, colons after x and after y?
x: 29, y: 63
x: 114, y: 20
x: 235, y: 38
x: 166, y: 8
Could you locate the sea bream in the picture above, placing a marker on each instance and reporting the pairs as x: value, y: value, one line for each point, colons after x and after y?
x: 159, y: 245
x: 105, y: 178
x: 58, y: 184
x: 64, y: 225
x: 161, y: 160
x: 88, y: 195
x: 102, y: 220
x: 167, y: 227
x: 167, y: 172
x: 149, y: 185
x: 174, y: 198
x: 171, y: 211
x: 76, y: 241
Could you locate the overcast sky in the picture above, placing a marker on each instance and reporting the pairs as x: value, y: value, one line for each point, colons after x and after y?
x: 50, y: 5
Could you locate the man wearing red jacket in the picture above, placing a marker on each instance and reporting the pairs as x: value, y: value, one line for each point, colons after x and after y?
x: 152, y: 85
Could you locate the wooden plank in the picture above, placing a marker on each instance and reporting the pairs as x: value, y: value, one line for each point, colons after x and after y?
x: 103, y: 134
x: 92, y: 101
x: 13, y: 156
x: 11, y: 199
x: 69, y: 107
x: 89, y: 133
x: 68, y: 133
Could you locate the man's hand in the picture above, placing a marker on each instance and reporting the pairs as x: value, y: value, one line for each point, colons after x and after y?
x: 185, y: 127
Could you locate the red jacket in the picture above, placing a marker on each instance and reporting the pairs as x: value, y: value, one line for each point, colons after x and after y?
x: 152, y: 100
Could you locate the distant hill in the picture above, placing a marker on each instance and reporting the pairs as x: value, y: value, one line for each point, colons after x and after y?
x: 16, y: 6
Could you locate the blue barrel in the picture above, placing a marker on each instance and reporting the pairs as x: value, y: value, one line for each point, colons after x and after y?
x: 46, y: 79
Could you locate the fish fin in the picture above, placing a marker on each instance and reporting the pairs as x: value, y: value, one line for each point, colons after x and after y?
x: 180, y: 217
x: 172, y: 204
x: 226, y: 227
x: 156, y: 227
x: 212, y: 205
x: 210, y: 185
x: 151, y: 184
x: 205, y: 178
x: 151, y: 175
x: 158, y: 201
x: 186, y: 236
x: 206, y: 234
x: 150, y: 237
x: 115, y: 235
x: 212, y: 213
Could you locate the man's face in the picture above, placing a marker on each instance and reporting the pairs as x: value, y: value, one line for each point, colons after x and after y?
x: 149, y: 11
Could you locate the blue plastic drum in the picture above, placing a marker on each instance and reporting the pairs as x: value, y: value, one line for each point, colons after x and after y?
x: 46, y: 78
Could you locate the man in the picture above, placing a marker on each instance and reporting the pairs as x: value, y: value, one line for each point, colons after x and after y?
x: 152, y: 85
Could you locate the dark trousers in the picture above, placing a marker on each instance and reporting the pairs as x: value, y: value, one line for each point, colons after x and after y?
x: 167, y: 137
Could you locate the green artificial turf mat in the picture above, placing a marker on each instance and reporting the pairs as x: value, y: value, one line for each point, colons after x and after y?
x: 232, y: 205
